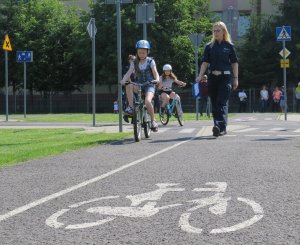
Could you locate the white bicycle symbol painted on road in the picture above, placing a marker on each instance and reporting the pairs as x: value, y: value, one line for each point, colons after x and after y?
x: 217, y: 205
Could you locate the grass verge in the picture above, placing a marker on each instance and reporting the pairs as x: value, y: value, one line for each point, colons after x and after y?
x: 18, y: 145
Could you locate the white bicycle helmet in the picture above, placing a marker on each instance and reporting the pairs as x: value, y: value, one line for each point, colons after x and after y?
x: 167, y: 67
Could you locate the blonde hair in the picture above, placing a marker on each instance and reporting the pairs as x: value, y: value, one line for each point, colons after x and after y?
x: 226, y: 35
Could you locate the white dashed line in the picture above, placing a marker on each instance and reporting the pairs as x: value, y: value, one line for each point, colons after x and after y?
x: 187, y: 130
x: 245, y: 130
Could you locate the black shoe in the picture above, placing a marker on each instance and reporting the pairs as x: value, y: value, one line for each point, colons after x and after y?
x: 224, y: 132
x: 126, y: 118
x: 216, y: 131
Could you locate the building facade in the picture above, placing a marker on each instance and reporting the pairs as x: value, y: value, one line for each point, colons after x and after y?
x: 236, y: 13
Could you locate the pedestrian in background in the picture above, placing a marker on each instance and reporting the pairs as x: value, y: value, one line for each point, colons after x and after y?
x: 276, y: 99
x: 264, y: 97
x: 204, y: 96
x: 297, y: 94
x: 221, y: 59
x: 116, y: 109
x: 243, y: 101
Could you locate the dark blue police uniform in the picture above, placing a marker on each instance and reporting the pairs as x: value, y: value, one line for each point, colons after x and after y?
x: 220, y: 56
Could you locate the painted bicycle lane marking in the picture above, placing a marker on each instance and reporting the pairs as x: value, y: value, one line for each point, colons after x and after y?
x: 145, y: 205
x: 45, y: 199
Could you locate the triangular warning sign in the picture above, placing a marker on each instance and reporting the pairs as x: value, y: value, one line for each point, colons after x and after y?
x: 6, y: 45
x: 283, y: 35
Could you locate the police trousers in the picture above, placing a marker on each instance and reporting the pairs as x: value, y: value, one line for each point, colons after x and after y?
x: 219, y: 89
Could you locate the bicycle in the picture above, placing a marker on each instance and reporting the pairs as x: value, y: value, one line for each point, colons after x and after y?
x: 145, y: 205
x: 175, y: 109
x: 141, y: 117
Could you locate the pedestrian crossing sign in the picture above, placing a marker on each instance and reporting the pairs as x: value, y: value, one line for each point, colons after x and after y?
x: 284, y: 33
x: 6, y: 45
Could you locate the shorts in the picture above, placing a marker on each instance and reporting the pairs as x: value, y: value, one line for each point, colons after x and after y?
x: 148, y: 88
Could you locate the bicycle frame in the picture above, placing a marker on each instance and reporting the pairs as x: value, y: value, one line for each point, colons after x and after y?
x: 140, y: 115
x: 176, y: 110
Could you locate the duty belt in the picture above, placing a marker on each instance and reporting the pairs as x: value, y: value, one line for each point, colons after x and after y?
x: 218, y: 73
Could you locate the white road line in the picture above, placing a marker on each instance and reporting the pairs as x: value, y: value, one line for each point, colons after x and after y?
x: 186, y: 130
x: 297, y: 130
x: 245, y: 130
x: 257, y: 135
x: 288, y: 135
x: 277, y: 129
x: 91, y: 181
x: 162, y: 130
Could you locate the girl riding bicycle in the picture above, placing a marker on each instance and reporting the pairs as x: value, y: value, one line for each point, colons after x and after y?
x: 145, y: 70
x: 166, y: 81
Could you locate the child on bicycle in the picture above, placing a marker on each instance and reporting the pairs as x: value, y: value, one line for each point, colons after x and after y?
x: 145, y: 70
x: 166, y: 81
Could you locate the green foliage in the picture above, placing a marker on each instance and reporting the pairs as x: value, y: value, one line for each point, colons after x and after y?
x: 62, y: 49
x: 168, y: 36
x: 55, y: 35
x: 259, y: 58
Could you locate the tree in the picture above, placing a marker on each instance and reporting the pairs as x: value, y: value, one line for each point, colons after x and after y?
x: 55, y: 35
x: 168, y: 35
x: 259, y: 58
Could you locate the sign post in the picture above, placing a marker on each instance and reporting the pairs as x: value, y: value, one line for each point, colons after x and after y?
x: 196, y: 39
x: 284, y: 33
x: 145, y: 13
x: 92, y: 30
x: 6, y: 47
x: 230, y: 17
x: 24, y: 56
x: 118, y: 10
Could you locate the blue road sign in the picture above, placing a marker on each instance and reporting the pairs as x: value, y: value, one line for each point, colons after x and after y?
x: 24, y: 56
x: 284, y: 33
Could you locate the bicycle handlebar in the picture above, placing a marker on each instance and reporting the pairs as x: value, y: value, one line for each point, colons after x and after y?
x: 141, y: 84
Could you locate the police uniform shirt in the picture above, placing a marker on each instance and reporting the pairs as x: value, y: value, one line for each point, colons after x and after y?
x: 220, y: 56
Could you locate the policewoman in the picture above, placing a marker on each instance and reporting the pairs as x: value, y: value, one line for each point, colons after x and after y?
x: 221, y: 62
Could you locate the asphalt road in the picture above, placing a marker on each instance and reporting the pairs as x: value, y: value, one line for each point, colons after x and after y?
x: 182, y: 186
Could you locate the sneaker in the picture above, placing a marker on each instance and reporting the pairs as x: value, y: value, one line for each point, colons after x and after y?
x: 216, y: 131
x: 128, y: 111
x: 154, y: 126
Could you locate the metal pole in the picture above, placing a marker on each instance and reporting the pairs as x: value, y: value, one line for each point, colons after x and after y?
x: 118, y: 8
x: 93, y: 72
x: 6, y: 83
x: 145, y: 22
x: 284, y: 80
x: 24, y: 90
x: 144, y: 31
x: 197, y: 72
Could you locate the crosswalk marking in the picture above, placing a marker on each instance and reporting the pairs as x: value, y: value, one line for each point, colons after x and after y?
x: 277, y: 129
x: 244, y: 130
x: 257, y: 135
x: 187, y: 130
x: 162, y: 130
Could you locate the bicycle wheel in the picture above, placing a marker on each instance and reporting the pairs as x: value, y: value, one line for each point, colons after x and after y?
x: 163, y: 116
x: 179, y: 113
x: 137, y: 123
x: 146, y: 123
